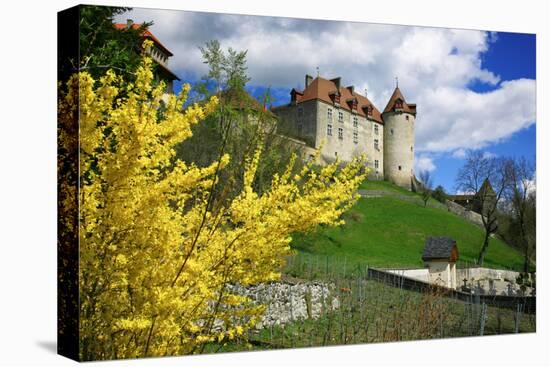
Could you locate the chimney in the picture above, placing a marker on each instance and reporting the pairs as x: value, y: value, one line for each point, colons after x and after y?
x: 337, y: 81
x: 129, y: 23
x: 309, y: 79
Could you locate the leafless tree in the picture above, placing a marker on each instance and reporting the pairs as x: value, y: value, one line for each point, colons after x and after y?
x: 521, y: 200
x: 426, y: 186
x: 488, y: 179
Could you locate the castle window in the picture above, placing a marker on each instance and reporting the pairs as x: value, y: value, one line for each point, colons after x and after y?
x: 355, y: 122
x: 329, y: 114
x: 329, y: 130
x: 407, y: 117
x: 376, y: 164
x: 399, y: 167
x: 355, y: 137
x: 376, y: 144
x: 375, y: 129
x: 300, y: 126
x: 391, y: 131
x: 340, y: 116
x: 411, y: 148
x: 300, y: 111
x: 340, y: 133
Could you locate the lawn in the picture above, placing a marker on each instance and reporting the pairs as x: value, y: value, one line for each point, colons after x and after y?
x: 390, y: 230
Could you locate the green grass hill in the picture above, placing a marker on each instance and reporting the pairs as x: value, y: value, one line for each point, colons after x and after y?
x: 388, y: 228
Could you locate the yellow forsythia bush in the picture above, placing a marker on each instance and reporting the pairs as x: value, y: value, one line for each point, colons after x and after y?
x: 155, y: 259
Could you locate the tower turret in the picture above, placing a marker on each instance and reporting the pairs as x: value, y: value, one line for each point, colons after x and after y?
x: 399, y: 118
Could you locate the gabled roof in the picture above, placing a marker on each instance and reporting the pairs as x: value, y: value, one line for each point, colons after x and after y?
x: 146, y: 34
x: 486, y: 189
x: 241, y: 99
x: 407, y: 107
x: 321, y: 89
x: 440, y: 248
x: 168, y: 71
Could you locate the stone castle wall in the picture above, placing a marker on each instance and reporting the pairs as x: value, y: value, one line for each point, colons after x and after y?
x: 465, y: 213
x: 311, y: 121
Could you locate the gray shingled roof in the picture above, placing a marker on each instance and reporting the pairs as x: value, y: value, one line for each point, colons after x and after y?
x: 438, y: 248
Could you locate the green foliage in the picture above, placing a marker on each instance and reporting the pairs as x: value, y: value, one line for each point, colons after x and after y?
x: 226, y: 71
x: 239, y: 125
x: 104, y: 47
x: 425, y: 186
x: 439, y: 194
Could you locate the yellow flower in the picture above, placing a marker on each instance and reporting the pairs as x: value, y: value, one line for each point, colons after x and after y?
x: 154, y: 255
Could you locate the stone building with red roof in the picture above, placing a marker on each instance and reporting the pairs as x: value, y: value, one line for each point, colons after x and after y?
x: 158, y: 52
x: 345, y: 123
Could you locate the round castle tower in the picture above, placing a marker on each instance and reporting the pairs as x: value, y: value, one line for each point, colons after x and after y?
x: 399, y: 118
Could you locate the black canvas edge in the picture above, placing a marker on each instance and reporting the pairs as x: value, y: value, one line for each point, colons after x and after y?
x: 68, y: 305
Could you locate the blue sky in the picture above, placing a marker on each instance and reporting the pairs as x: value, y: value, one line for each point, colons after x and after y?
x: 474, y: 89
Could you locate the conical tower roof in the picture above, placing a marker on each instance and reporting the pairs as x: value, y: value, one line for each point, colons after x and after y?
x: 411, y: 108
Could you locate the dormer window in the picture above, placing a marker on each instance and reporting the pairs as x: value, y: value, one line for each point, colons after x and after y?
x: 369, y: 111
x: 335, y: 96
x: 399, y: 104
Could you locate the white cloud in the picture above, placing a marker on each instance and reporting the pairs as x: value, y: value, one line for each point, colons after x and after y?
x: 460, y: 192
x: 531, y: 185
x: 424, y: 163
x: 453, y: 118
x: 459, y: 153
x: 435, y: 67
x: 488, y: 155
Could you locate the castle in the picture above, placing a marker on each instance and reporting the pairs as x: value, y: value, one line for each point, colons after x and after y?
x: 347, y: 124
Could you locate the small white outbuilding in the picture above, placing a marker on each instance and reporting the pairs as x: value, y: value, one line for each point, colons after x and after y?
x: 440, y: 256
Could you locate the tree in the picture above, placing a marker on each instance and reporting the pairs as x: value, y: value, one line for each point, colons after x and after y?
x: 156, y: 255
x: 439, y: 194
x: 102, y: 46
x: 425, y: 186
x: 487, y: 177
x: 521, y: 200
x: 238, y: 124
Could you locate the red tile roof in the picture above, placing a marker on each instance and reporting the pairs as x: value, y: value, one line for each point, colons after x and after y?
x: 146, y: 34
x: 407, y: 107
x: 322, y: 89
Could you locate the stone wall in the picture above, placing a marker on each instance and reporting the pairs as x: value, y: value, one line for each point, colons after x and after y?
x: 420, y: 274
x: 288, y: 302
x: 465, y: 213
x: 298, y: 121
